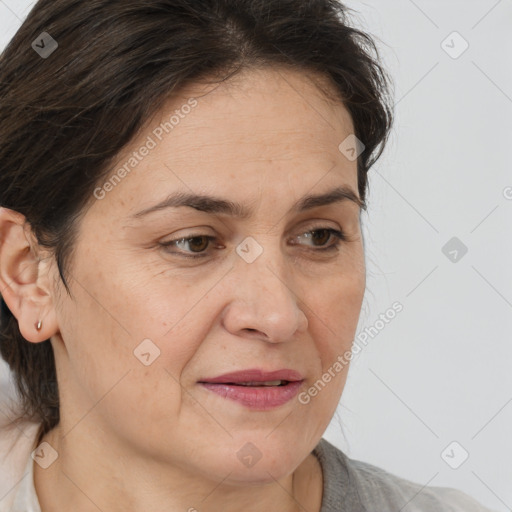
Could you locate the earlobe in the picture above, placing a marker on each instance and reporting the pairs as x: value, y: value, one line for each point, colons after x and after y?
x: 24, y: 287
x: 36, y: 324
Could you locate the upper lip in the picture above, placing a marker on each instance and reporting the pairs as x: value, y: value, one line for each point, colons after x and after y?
x: 255, y: 375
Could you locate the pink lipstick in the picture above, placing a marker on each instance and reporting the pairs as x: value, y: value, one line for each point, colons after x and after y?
x: 256, y: 389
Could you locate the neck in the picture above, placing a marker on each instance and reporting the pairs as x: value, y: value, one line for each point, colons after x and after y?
x: 97, y: 475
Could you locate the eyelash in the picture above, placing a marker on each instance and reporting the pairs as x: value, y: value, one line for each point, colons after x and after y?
x: 338, y: 235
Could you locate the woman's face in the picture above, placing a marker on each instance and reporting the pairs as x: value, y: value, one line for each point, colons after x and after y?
x: 148, y: 322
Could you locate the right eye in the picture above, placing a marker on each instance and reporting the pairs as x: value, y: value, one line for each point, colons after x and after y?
x: 198, y: 244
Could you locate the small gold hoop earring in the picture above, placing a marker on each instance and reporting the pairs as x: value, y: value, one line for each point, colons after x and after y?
x: 39, y: 325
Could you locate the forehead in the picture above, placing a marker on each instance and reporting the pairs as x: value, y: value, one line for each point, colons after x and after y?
x: 274, y: 106
x: 268, y: 131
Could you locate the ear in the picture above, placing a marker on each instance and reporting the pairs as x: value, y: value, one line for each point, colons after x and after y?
x: 25, y: 278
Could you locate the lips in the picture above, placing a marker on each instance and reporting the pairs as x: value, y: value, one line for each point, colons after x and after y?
x: 256, y: 389
x: 256, y: 377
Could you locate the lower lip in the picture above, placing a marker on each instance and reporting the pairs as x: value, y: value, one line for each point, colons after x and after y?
x: 256, y: 397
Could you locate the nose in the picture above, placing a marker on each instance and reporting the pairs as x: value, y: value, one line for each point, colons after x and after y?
x: 263, y: 302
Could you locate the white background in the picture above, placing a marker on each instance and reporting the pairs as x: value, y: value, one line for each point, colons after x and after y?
x: 440, y: 370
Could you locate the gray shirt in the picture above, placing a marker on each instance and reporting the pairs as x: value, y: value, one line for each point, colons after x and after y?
x: 356, y: 486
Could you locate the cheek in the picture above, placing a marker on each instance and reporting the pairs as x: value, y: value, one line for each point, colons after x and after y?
x: 335, y: 310
x: 144, y: 403
x: 133, y: 329
x: 129, y: 312
x: 108, y: 379
x: 336, y: 305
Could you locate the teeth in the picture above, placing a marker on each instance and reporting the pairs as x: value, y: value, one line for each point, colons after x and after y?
x: 267, y: 383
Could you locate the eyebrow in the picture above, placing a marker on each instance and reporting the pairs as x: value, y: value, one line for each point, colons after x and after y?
x: 217, y: 205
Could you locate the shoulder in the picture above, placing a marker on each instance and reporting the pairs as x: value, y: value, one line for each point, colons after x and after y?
x: 16, y: 445
x: 375, y: 488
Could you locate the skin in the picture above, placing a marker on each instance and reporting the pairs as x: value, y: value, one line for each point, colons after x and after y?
x: 136, y: 437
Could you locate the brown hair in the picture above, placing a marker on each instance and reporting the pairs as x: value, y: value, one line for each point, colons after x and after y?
x: 64, y: 118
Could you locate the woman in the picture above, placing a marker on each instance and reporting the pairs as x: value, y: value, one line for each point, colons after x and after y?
x: 181, y: 258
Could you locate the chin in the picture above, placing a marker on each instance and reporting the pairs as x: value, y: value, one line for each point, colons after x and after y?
x: 250, y: 465
x: 257, y: 476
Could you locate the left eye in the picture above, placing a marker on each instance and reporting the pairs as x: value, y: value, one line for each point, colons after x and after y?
x: 313, y: 236
x: 199, y: 243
